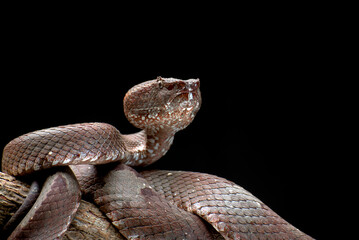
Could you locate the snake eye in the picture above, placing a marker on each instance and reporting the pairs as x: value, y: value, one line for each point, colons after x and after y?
x: 160, y: 82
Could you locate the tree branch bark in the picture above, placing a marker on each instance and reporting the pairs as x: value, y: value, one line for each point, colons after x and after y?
x: 89, y: 222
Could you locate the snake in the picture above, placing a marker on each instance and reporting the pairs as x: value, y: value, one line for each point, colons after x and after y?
x: 96, y: 160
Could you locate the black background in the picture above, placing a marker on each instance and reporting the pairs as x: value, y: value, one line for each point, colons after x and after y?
x: 267, y: 120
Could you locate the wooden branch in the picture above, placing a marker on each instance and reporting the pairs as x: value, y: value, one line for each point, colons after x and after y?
x: 89, y: 222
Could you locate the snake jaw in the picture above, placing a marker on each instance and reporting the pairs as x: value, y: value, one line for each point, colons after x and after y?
x: 193, y: 94
x: 184, y: 105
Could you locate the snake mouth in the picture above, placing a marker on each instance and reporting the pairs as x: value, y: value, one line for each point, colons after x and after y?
x: 189, y: 96
x: 190, y: 90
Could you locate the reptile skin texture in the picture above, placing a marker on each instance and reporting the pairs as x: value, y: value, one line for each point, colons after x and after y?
x: 59, y: 199
x: 94, y: 158
x: 233, y: 211
x: 58, y: 146
x: 142, y: 213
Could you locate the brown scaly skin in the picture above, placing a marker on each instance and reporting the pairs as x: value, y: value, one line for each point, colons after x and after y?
x: 167, y: 108
x: 160, y: 108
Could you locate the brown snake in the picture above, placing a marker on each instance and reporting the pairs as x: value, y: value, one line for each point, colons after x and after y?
x: 148, y: 205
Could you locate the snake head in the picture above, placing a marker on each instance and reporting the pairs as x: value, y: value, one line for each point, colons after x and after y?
x: 163, y: 103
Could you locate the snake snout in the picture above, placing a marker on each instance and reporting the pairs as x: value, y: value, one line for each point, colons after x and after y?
x: 192, y: 87
x: 192, y: 84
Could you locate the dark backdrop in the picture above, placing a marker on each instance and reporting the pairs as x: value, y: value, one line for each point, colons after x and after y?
x: 264, y: 122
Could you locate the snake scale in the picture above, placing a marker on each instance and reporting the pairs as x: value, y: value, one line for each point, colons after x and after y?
x: 95, y: 159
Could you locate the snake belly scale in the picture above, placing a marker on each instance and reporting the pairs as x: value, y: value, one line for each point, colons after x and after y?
x: 152, y: 204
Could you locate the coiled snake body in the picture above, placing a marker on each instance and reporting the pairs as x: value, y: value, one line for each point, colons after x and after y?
x: 148, y: 205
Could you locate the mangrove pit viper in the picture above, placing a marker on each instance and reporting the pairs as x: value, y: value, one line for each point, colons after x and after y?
x: 96, y: 159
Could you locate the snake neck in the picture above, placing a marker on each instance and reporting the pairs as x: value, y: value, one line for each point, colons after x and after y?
x: 147, y: 146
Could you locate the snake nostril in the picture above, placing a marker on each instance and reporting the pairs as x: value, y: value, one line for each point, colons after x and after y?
x: 192, y: 85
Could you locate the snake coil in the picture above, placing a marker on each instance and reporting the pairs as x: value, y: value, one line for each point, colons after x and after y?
x: 153, y: 204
